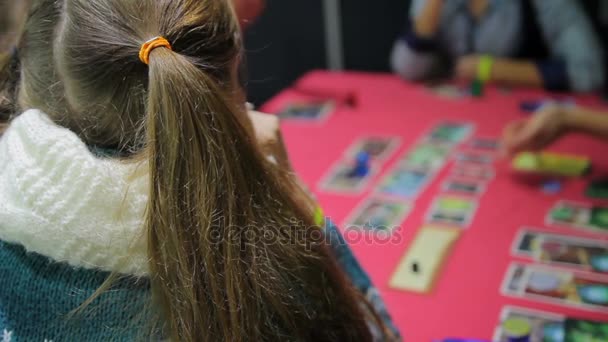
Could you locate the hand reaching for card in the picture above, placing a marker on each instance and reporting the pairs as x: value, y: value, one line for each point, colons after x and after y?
x: 536, y: 133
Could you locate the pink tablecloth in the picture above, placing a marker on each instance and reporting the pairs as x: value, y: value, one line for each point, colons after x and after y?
x: 466, y: 301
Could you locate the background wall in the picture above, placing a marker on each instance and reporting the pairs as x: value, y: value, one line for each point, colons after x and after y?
x: 289, y: 39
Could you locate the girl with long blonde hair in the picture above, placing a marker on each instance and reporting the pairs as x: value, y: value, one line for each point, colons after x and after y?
x: 136, y: 203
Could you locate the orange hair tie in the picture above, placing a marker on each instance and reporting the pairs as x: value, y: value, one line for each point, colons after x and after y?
x: 147, y: 47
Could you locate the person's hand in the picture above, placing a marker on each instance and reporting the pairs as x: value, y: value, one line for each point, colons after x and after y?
x: 466, y: 67
x: 546, y: 126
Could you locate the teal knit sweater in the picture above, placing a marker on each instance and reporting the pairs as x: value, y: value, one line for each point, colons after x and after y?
x: 37, y: 296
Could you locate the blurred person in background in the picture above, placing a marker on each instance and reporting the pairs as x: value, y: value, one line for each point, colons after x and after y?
x: 550, y: 44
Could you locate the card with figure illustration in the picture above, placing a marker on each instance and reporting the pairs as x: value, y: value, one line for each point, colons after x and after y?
x: 558, y: 286
x: 562, y: 250
x: 545, y: 326
x: 585, y: 254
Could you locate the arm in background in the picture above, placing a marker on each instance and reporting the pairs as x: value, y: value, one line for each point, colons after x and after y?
x: 549, y: 124
x: 570, y: 35
x: 414, y: 55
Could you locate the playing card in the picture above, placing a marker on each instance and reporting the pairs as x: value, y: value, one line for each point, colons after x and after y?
x: 473, y: 171
x: 379, y: 214
x: 485, y: 144
x: 377, y: 147
x: 546, y: 327
x: 579, y: 215
x: 313, y: 111
x: 341, y: 178
x: 452, y: 210
x: 451, y: 132
x: 427, y: 155
x: 585, y: 254
x: 474, y: 158
x: 557, y: 286
x: 405, y: 182
x: 464, y: 187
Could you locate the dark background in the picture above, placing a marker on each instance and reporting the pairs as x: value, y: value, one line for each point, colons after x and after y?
x: 289, y: 40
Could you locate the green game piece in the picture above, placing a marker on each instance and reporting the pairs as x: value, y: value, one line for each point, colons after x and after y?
x: 477, y: 88
x: 597, y: 189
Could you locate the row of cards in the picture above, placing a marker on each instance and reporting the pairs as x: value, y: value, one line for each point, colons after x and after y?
x: 419, y: 166
x: 393, y: 199
x: 549, y: 327
x: 467, y: 181
x: 557, y: 286
x: 385, y: 214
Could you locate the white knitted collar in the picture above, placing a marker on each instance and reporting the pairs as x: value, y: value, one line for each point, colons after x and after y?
x: 59, y: 200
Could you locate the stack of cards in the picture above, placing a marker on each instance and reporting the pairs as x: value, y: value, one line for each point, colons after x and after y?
x: 308, y: 112
x: 560, y: 250
x: 579, y: 215
x: 557, y: 286
x: 342, y: 178
x: 473, y: 169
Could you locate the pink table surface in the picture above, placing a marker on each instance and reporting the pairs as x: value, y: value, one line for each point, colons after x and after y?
x: 466, y: 300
